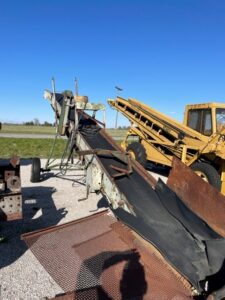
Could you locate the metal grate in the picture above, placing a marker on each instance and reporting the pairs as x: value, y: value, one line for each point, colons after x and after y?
x: 100, y: 258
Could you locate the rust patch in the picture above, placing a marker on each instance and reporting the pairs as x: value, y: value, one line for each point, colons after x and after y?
x: 15, y: 161
x: 8, y: 173
x: 12, y: 217
x: 198, y: 195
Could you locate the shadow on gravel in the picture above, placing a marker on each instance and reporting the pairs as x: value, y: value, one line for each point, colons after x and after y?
x: 39, y: 211
x: 46, y: 176
x: 102, y: 203
x: 77, y: 179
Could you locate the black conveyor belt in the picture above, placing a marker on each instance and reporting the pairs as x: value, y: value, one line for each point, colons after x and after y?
x: 184, y: 239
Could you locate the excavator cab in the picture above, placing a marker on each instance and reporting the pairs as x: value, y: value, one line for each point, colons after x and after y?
x: 206, y: 118
x: 220, y: 118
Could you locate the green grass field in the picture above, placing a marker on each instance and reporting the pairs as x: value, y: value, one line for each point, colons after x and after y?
x: 120, y: 133
x: 26, y: 148
x: 13, y: 128
x: 32, y: 147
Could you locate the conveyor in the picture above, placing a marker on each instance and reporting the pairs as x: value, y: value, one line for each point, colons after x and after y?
x: 150, y: 223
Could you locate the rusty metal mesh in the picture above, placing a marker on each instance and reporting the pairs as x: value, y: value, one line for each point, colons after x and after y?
x: 100, y: 258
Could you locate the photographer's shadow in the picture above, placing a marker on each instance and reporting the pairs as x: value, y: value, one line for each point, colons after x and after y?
x: 132, y: 284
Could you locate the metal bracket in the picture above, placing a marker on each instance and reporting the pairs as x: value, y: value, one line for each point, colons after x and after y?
x: 124, y: 157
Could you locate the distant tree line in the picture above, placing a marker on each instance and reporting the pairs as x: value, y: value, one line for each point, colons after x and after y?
x: 36, y: 122
x: 123, y: 127
x: 120, y: 128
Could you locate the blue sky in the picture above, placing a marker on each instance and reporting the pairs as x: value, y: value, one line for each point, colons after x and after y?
x: 164, y: 53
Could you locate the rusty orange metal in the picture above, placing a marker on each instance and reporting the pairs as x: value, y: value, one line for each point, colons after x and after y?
x: 201, y: 197
x: 10, y: 189
x: 98, y: 257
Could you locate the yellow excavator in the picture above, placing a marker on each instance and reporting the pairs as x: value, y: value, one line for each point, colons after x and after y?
x: 199, y: 142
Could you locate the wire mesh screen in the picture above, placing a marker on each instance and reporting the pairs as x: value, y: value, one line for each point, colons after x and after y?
x: 100, y: 258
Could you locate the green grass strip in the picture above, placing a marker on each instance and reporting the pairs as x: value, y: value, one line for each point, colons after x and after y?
x: 26, y: 148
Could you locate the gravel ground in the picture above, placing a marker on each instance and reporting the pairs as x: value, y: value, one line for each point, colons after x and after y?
x: 52, y: 201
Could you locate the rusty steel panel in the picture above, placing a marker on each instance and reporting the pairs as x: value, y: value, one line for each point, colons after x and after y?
x: 100, y: 258
x: 201, y: 197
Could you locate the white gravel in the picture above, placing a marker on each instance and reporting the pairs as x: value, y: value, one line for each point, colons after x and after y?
x: 49, y: 202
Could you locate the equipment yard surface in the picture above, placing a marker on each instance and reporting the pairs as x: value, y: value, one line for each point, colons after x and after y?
x: 55, y: 200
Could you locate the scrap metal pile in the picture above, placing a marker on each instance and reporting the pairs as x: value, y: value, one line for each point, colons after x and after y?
x: 157, y: 241
x: 10, y: 189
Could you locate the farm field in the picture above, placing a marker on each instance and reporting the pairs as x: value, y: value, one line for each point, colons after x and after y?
x: 23, y: 129
x: 27, y: 148
x: 31, y: 147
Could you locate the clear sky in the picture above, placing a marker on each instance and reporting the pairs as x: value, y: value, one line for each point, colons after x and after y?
x: 164, y: 53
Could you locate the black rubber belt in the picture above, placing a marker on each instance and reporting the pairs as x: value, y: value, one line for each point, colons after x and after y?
x: 182, y: 237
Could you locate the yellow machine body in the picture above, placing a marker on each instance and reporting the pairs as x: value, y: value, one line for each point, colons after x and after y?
x: 201, y: 137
